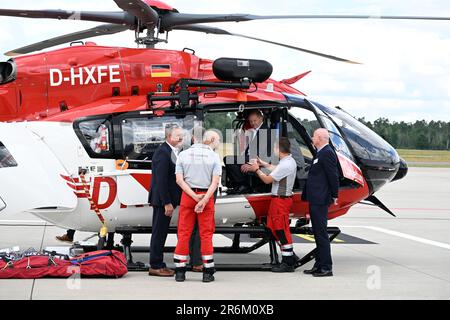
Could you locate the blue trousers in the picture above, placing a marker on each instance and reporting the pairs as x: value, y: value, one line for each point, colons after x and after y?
x: 319, y: 221
x: 160, y: 228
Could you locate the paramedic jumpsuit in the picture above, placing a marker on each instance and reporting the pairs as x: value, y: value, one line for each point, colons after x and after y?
x: 198, y: 164
x: 283, y: 176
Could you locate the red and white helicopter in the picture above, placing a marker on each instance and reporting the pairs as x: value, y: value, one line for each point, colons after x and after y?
x: 80, y: 124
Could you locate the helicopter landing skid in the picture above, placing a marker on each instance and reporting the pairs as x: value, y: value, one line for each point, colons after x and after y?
x: 235, y: 248
x: 254, y: 232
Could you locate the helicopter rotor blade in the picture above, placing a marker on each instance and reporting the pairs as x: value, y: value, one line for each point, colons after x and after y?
x: 172, y: 19
x: 218, y: 31
x: 142, y: 11
x: 100, y: 30
x: 117, y: 17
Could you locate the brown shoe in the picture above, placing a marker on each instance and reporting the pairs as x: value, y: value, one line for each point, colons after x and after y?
x: 197, y: 268
x: 163, y: 272
x: 64, y: 238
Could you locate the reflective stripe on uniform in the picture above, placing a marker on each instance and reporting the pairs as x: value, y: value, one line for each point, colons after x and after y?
x: 180, y: 257
x: 180, y: 264
x: 208, y: 265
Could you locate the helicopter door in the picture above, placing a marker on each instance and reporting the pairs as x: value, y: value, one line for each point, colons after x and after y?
x: 140, y: 135
x: 30, y: 174
x: 299, y: 134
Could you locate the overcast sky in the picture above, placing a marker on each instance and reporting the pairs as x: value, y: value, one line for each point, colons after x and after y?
x: 406, y: 70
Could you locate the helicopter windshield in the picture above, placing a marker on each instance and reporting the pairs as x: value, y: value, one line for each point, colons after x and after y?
x: 367, y: 144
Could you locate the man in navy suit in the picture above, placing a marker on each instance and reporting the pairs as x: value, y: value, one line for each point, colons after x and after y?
x: 321, y: 190
x: 164, y: 197
x: 258, y: 146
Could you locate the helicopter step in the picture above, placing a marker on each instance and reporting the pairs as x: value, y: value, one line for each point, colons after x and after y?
x: 253, y: 231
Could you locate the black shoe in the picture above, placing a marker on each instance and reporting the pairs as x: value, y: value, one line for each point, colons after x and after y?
x: 207, y: 277
x: 323, y: 273
x: 283, y: 267
x: 310, y: 271
x: 180, y: 276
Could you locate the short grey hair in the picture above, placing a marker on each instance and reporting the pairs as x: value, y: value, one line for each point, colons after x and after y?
x: 197, y: 133
x: 209, y: 134
x: 169, y: 129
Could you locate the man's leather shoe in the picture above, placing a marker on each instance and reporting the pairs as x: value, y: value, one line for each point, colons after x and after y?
x: 208, y: 277
x: 310, y: 271
x: 323, y: 273
x: 163, y: 272
x: 64, y: 238
x: 198, y: 268
x: 283, y: 267
x: 180, y: 276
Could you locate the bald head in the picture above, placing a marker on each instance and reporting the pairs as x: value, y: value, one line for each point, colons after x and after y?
x: 321, y: 137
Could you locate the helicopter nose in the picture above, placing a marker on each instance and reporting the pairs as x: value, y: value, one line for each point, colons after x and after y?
x: 402, y: 170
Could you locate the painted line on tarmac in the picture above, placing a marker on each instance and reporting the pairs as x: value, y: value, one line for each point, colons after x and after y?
x: 405, y: 236
x: 404, y: 209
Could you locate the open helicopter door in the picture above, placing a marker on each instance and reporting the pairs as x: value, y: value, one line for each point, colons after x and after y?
x: 140, y: 135
x: 30, y: 174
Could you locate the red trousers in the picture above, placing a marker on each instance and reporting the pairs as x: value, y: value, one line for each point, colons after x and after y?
x: 278, y: 223
x: 206, y: 226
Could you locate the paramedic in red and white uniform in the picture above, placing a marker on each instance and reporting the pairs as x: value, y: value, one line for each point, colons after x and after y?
x: 282, y: 177
x: 198, y: 171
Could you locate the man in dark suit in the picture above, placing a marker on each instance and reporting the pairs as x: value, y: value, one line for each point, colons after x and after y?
x: 258, y: 146
x: 164, y: 197
x: 321, y: 190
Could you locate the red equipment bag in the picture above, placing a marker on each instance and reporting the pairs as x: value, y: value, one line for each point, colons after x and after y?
x: 103, y: 263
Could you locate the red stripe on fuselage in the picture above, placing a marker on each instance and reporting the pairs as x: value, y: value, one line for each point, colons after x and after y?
x: 144, y: 179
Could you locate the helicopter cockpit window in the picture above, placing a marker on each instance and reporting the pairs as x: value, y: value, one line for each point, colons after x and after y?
x: 96, y: 133
x: 307, y: 118
x: 142, y: 136
x: 6, y: 158
x: 335, y: 137
x: 366, y: 143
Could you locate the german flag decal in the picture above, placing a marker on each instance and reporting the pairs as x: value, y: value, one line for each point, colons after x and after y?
x: 161, y: 70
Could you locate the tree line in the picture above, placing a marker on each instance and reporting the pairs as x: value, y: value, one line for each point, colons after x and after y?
x: 421, y: 134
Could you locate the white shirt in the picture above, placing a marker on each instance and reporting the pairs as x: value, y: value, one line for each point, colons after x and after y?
x: 255, y: 131
x: 176, y: 151
x: 284, y: 176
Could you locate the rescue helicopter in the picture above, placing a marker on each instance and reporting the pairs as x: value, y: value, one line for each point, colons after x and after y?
x: 91, y: 117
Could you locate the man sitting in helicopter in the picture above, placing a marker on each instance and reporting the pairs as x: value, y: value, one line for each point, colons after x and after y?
x: 257, y: 144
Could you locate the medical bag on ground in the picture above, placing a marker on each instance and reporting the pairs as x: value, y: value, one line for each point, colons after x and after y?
x: 102, y: 263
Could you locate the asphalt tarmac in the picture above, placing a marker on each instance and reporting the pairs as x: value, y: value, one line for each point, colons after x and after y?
x: 376, y: 256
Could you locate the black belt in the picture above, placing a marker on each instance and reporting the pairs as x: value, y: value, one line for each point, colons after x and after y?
x: 199, y: 190
x: 282, y: 197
